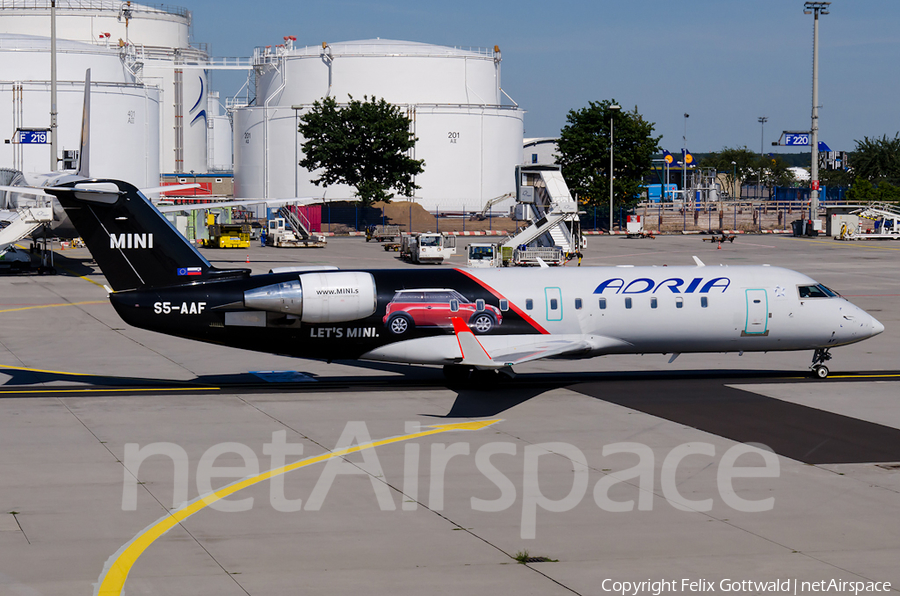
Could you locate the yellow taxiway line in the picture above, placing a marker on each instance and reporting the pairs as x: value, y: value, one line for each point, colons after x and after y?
x: 115, y: 572
x: 852, y: 244
x: 91, y: 389
x: 55, y: 305
x: 51, y: 372
x: 119, y: 390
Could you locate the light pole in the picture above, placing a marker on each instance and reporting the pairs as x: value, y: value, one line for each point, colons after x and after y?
x: 734, y: 204
x: 815, y: 9
x: 54, y: 155
x: 684, y: 162
x: 762, y: 121
x: 612, y: 112
x: 734, y: 179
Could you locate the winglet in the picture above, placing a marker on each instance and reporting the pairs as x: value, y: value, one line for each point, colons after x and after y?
x: 473, y: 353
x: 699, y: 262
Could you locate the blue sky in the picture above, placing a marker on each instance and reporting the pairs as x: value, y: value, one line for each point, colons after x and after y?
x: 725, y: 63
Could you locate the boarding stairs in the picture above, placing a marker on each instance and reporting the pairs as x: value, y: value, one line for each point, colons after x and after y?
x: 19, y: 223
x: 291, y: 217
x: 554, y: 219
x: 300, y: 228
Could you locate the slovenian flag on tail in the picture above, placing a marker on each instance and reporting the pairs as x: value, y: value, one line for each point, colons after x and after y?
x: 190, y: 271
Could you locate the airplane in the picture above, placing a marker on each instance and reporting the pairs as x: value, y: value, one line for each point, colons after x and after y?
x: 474, y: 322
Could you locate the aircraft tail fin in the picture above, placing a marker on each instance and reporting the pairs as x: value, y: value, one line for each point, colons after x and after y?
x: 134, y: 244
x: 84, y: 153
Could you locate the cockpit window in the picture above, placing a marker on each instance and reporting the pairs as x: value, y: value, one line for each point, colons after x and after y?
x: 817, y: 291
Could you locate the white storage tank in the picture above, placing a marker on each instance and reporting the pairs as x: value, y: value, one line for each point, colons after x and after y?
x: 150, y: 41
x: 86, y: 21
x: 220, y: 135
x: 125, y: 122
x: 469, y: 133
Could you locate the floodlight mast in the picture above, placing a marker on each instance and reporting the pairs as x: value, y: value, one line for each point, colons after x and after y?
x: 815, y: 9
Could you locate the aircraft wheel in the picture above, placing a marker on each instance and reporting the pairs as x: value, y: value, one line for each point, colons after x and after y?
x: 481, y: 322
x: 400, y: 324
x: 820, y: 371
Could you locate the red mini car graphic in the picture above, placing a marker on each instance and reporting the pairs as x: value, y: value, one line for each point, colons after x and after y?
x: 435, y: 308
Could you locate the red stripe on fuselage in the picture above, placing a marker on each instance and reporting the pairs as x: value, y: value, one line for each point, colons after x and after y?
x: 500, y: 296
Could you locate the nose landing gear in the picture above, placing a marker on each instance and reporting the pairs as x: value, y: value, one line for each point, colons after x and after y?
x: 820, y: 357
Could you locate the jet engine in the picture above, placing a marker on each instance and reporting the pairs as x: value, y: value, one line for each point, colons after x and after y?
x: 328, y: 297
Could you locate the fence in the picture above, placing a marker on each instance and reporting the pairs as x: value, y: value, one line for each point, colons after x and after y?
x: 777, y: 213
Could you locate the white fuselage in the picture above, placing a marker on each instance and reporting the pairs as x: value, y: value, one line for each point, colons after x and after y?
x: 636, y: 310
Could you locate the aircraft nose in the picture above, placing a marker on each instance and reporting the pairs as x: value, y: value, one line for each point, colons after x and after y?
x: 877, y: 327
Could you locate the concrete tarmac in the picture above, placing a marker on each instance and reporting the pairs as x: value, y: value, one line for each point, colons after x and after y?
x: 624, y: 468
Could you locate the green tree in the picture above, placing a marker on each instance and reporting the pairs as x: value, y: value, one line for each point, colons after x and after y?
x: 775, y: 171
x: 584, y: 153
x: 739, y: 164
x: 835, y: 177
x: 877, y: 160
x: 364, y: 144
x: 863, y: 190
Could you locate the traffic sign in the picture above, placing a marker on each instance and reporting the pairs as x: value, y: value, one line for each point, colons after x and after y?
x: 796, y: 139
x: 36, y: 136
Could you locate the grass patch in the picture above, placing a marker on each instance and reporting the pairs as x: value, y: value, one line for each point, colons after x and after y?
x: 524, y: 557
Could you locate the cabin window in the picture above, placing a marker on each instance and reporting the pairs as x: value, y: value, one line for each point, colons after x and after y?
x: 529, y: 304
x: 479, y: 305
x: 554, y: 304
x: 628, y: 303
x: 504, y: 305
x: 679, y: 302
x: 704, y: 301
x: 218, y: 180
x: 603, y: 304
x: 578, y: 304
x: 653, y: 302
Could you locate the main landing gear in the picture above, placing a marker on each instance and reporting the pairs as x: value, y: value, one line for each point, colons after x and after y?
x: 469, y: 376
x: 820, y: 357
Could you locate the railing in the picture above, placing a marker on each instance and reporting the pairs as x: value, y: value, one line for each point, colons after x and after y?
x: 94, y: 5
x: 401, y: 49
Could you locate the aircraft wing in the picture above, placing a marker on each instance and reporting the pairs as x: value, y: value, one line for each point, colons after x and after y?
x: 491, y: 351
x: 501, y: 351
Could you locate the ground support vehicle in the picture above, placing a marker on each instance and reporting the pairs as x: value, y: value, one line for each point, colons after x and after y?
x: 382, y: 233
x: 532, y: 256
x: 481, y: 255
x: 427, y: 247
x: 14, y: 259
x: 280, y: 235
x: 233, y: 235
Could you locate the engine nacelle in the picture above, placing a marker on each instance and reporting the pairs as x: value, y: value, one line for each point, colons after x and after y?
x: 328, y: 297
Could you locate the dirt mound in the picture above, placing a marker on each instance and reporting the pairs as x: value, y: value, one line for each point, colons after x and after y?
x: 412, y: 217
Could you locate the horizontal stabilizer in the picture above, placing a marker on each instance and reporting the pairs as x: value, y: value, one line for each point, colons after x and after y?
x: 235, y: 203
